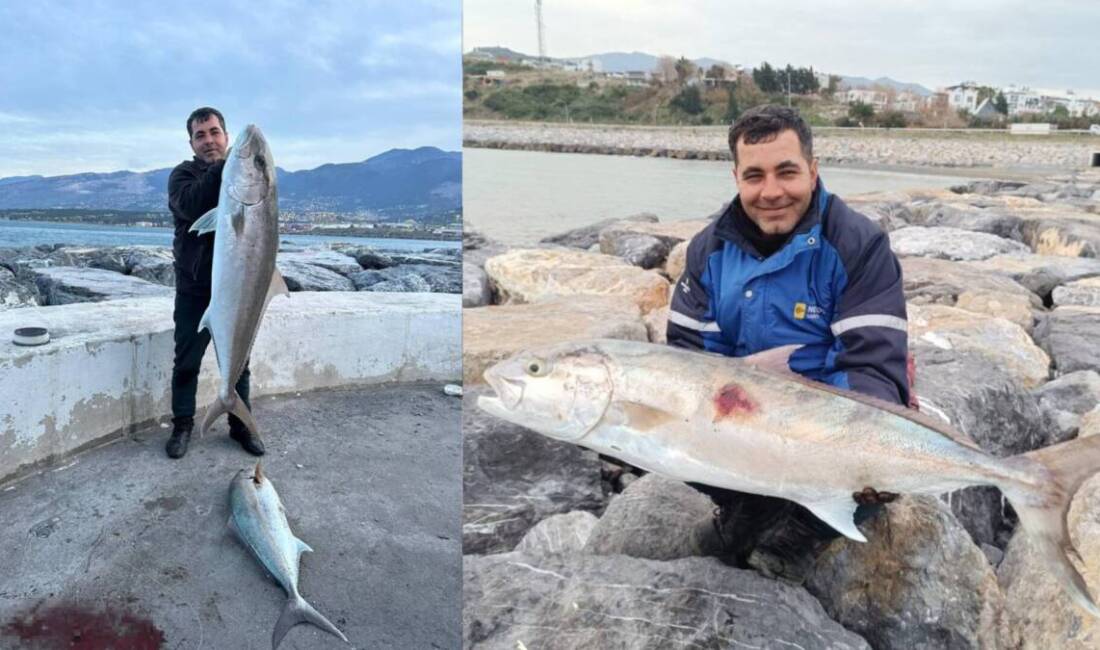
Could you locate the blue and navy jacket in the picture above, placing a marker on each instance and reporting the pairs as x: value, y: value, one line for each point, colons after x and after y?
x: 835, y: 288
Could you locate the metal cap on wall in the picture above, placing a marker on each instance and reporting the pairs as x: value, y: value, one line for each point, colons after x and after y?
x: 31, y: 336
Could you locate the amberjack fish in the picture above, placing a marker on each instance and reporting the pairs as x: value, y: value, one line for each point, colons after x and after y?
x: 257, y: 517
x: 244, y: 277
x: 753, y: 425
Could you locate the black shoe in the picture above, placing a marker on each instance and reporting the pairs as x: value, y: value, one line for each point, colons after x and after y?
x: 178, y: 441
x: 250, y: 443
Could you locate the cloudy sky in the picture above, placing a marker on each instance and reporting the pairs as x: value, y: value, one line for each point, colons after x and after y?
x: 1050, y: 45
x: 107, y: 85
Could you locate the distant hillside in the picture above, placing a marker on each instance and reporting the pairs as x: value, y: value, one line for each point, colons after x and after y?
x: 420, y: 183
x: 608, y: 61
x: 900, y: 86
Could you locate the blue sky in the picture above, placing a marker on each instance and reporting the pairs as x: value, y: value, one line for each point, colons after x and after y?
x: 103, y: 86
x: 1045, y: 45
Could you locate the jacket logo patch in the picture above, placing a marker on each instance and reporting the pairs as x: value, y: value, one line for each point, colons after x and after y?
x: 802, y: 311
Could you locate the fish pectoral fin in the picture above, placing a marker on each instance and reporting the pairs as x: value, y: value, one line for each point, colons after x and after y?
x: 303, y: 547
x: 840, y: 514
x: 206, y: 223
x: 232, y: 526
x: 238, y: 220
x: 204, y: 323
x: 277, y: 286
x: 774, y: 359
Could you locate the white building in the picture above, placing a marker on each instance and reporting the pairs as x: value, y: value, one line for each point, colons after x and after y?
x: 964, y: 95
x: 875, y: 98
x: 1022, y: 101
x: 906, y: 101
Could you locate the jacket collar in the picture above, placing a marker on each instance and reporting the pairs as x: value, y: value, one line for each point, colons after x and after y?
x: 815, y: 214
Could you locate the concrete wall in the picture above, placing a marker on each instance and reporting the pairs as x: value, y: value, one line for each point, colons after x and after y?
x: 108, y: 366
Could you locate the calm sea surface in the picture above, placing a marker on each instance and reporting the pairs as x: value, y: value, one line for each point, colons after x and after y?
x: 518, y: 197
x: 32, y: 233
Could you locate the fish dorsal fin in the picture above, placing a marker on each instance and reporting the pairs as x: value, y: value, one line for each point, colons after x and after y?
x: 258, y: 475
x: 774, y: 359
x: 303, y: 547
x: 840, y: 514
x: 206, y: 223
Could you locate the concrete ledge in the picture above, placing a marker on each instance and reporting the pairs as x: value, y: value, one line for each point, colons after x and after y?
x: 108, y: 366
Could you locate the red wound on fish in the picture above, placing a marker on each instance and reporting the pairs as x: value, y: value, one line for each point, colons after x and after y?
x: 733, y: 400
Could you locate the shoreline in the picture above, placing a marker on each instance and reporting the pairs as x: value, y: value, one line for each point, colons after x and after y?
x: 984, y: 154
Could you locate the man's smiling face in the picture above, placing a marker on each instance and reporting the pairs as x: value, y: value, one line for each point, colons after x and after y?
x: 209, y: 140
x: 775, y: 181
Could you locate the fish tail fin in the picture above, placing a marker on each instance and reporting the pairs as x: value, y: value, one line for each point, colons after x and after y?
x: 233, y: 404
x: 1043, y: 509
x: 296, y: 611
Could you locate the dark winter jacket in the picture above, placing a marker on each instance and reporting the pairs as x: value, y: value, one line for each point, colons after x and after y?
x: 193, y: 191
x: 835, y: 288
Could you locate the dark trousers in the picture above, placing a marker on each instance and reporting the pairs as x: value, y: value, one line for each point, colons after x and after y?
x: 190, y: 346
x: 750, y: 521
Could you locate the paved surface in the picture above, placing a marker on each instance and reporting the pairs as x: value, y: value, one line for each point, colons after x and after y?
x: 127, y: 549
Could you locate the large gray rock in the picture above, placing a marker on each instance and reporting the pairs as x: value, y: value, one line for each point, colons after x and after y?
x: 14, y: 293
x: 1041, y: 273
x: 366, y: 256
x: 111, y: 258
x: 951, y: 243
x: 1067, y: 398
x: 1064, y: 235
x: 562, y: 602
x: 302, y: 276
x: 978, y: 397
x: 476, y: 290
x: 565, y: 533
x: 324, y: 258
x: 588, y: 236
x: 639, y: 249
x: 656, y: 518
x: 433, y: 258
x: 1083, y: 293
x: 62, y: 285
x: 919, y: 582
x: 513, y: 478
x: 152, y: 263
x: 1070, y: 335
x: 410, y: 277
x: 967, y: 218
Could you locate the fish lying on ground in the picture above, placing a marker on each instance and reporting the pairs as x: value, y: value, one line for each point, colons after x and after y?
x: 244, y: 277
x: 753, y: 425
x: 257, y: 517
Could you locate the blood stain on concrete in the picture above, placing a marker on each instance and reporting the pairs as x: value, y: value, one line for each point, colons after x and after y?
x: 67, y: 626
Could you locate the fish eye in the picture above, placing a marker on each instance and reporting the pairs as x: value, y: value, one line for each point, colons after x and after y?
x: 537, y: 368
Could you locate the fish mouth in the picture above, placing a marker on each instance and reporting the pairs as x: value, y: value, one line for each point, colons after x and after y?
x: 246, y: 142
x: 509, y: 392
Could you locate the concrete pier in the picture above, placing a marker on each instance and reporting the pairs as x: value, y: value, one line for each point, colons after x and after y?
x: 108, y: 366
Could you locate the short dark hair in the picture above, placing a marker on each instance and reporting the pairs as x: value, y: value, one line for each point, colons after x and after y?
x: 765, y: 123
x: 201, y: 115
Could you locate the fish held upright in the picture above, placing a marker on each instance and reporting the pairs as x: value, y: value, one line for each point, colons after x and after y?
x: 752, y: 425
x: 244, y: 277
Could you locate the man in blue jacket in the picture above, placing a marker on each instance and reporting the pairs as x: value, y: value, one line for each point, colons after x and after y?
x: 788, y: 263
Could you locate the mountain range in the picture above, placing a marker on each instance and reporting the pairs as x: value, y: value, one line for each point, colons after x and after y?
x: 423, y: 183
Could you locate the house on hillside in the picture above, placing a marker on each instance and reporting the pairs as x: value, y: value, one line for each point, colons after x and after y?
x: 964, y: 95
x: 906, y: 102
x: 1023, y: 101
x: 875, y: 98
x: 986, y: 112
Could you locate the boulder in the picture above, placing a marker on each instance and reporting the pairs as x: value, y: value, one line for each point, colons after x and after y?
x: 491, y: 334
x: 1074, y: 235
x: 513, y: 478
x: 951, y: 243
x: 919, y: 581
x: 387, y: 280
x: 676, y: 261
x: 1003, y: 342
x: 656, y: 518
x: 1040, y: 273
x: 301, y: 276
x: 557, y: 534
x: 1084, y: 293
x: 929, y: 280
x: 1067, y: 398
x: 62, y: 285
x: 645, y: 251
x: 515, y: 601
x: 324, y: 258
x: 152, y: 263
x: 656, y: 325
x: 529, y: 275
x: 476, y: 291
x: 1039, y: 610
x: 1070, y: 335
x: 586, y: 236
x: 431, y: 257
x: 369, y: 258
x: 112, y: 258
x: 1003, y: 225
x: 1013, y: 307
x: 15, y: 294
x: 670, y: 232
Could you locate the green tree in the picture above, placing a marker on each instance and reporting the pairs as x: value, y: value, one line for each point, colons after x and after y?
x: 892, y: 120
x: 733, y: 109
x: 766, y: 78
x: 717, y: 73
x: 1000, y: 103
x: 861, y: 112
x: 685, y: 70
x: 690, y: 101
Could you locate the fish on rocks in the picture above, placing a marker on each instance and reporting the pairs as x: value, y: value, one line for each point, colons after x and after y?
x: 244, y: 277
x: 754, y: 426
x: 258, y: 519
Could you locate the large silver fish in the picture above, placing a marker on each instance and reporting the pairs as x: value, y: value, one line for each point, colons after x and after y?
x: 752, y: 425
x: 257, y: 517
x: 244, y: 277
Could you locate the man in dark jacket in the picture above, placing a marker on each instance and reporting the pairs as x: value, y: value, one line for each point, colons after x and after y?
x: 788, y: 263
x: 193, y: 189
